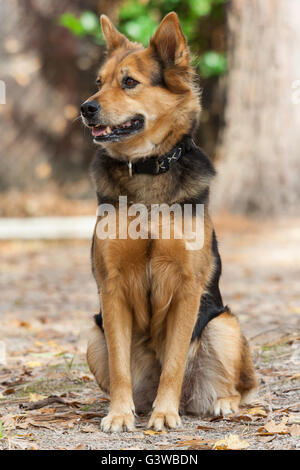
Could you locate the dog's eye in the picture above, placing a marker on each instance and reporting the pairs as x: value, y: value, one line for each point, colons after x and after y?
x: 129, y: 82
x: 99, y: 82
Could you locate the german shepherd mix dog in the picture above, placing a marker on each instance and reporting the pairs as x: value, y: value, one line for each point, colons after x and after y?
x: 163, y: 338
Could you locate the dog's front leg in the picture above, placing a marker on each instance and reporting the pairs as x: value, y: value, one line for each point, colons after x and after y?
x: 117, y: 321
x: 181, y: 319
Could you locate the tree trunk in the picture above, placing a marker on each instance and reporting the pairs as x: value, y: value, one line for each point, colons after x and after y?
x: 259, y: 154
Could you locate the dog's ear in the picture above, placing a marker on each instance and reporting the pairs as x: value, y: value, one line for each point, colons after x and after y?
x: 111, y: 35
x: 169, y: 42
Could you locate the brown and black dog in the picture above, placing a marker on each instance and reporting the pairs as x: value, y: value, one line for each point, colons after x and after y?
x: 163, y: 338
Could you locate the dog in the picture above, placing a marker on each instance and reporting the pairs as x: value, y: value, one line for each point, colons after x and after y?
x: 163, y: 338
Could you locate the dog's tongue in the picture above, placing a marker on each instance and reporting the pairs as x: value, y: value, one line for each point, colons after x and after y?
x: 96, y: 131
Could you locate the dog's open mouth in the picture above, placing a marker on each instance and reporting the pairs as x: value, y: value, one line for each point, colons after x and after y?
x: 111, y: 133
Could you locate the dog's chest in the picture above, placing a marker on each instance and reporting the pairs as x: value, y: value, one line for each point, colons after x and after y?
x: 148, y: 273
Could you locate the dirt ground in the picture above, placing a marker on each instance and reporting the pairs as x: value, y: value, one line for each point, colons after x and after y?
x: 48, y: 398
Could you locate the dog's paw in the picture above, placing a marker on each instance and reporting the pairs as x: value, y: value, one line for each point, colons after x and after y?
x: 226, y: 406
x: 116, y: 422
x: 161, y: 419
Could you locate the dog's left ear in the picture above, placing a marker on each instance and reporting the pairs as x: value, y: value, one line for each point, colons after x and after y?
x: 169, y: 42
x: 112, y: 37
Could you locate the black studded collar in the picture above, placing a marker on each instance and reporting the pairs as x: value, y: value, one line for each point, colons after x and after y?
x: 158, y: 165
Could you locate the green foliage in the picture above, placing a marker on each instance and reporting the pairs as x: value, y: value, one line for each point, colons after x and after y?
x: 86, y: 24
x: 212, y: 63
x: 138, y: 19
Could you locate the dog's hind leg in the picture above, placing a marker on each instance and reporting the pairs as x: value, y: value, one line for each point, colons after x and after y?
x: 219, y: 373
x: 97, y: 357
x: 146, y: 370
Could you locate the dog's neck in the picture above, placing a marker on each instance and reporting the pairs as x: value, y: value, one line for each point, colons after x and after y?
x: 154, y: 165
x: 188, y: 179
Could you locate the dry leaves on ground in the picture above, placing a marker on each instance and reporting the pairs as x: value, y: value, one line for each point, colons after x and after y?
x: 231, y: 442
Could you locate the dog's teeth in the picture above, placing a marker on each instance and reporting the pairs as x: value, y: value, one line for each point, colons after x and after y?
x: 108, y: 130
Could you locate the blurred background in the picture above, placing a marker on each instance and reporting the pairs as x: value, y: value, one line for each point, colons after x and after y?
x: 247, y: 55
x: 245, y: 51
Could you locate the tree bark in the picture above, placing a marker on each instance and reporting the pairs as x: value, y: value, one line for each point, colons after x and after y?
x: 259, y: 153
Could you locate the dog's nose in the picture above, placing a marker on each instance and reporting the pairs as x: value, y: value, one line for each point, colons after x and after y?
x: 89, y: 108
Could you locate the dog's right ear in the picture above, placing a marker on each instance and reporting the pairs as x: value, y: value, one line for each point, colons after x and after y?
x: 111, y: 35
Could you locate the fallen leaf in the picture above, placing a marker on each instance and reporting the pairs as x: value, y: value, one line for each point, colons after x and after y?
x: 8, y: 421
x: 238, y: 418
x: 21, y: 323
x: 85, y: 378
x: 47, y: 410
x: 268, y: 437
x: 22, y: 425
x: 21, y: 444
x: 294, y: 418
x: 201, y: 446
x: 33, y: 364
x: 263, y: 433
x: 89, y: 428
x: 294, y: 309
x: 231, y: 442
x: 149, y: 432
x: 204, y: 428
x: 80, y: 447
x: 295, y: 376
x: 279, y: 428
x: 187, y: 442
x: 40, y: 424
x: 294, y: 430
x: 194, y: 443
x: 53, y: 344
x: 258, y: 412
x: 91, y: 415
x: 36, y: 397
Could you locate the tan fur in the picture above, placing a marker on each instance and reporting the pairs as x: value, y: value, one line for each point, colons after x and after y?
x: 156, y: 103
x: 218, y: 369
x: 150, y: 290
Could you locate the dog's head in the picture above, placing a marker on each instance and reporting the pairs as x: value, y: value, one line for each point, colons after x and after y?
x: 147, y: 98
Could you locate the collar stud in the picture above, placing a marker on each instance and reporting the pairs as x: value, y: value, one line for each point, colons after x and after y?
x: 130, y: 168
